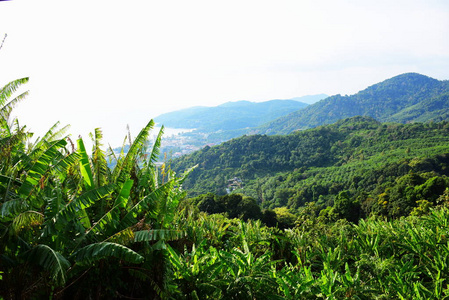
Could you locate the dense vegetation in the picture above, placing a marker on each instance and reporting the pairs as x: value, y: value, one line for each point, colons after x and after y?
x: 405, y: 98
x: 369, y: 160
x: 73, y: 228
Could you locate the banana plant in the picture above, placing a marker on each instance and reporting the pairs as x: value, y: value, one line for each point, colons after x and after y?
x: 7, y: 104
x: 65, y: 214
x: 294, y: 283
x: 196, y: 272
x: 23, y: 215
x: 247, y: 276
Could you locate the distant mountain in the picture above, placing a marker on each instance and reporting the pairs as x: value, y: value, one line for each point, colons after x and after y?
x: 310, y: 99
x: 409, y: 97
x: 233, y: 115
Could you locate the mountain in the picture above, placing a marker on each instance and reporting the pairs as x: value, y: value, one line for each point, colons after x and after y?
x: 310, y: 99
x: 359, y: 155
x: 233, y: 115
x: 409, y: 97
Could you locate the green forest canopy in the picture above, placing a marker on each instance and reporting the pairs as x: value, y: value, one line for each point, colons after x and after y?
x: 72, y: 227
x: 359, y: 155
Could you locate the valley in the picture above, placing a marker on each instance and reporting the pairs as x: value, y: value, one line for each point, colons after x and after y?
x: 347, y: 197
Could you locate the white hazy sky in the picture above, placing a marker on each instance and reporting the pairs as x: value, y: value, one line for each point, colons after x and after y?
x: 112, y: 63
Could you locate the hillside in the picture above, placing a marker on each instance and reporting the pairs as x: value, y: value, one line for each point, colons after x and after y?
x: 358, y: 154
x: 233, y: 115
x: 72, y: 227
x: 409, y: 97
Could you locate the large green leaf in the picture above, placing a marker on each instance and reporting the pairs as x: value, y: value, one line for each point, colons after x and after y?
x: 109, y: 221
x: 85, y: 168
x: 83, y: 201
x: 51, y: 135
x: 6, y: 106
x: 50, y: 260
x: 10, y: 88
x: 97, y: 251
x: 54, y: 205
x: 7, y: 184
x: 62, y: 166
x: 26, y: 220
x: 156, y: 147
x: 99, y: 164
x: 122, y: 198
x: 124, y: 165
x: 158, y: 234
x: 40, y: 167
x: 145, y: 206
x: 11, y: 208
x: 5, y: 112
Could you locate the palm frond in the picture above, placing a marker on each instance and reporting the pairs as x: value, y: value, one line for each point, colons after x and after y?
x: 166, y: 207
x: 111, y: 155
x: 148, y: 178
x: 7, y: 182
x: 109, y: 221
x: 6, y: 106
x: 53, y: 206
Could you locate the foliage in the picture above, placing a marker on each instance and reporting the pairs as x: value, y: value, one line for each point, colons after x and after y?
x: 234, y: 205
x: 405, y: 98
x: 360, y: 156
x: 70, y: 225
x: 376, y: 259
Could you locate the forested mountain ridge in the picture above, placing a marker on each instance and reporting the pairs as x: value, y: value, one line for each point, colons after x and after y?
x: 359, y: 155
x: 71, y: 226
x: 409, y: 97
x: 233, y: 115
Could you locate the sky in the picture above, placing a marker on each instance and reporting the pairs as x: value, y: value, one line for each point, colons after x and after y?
x: 110, y: 64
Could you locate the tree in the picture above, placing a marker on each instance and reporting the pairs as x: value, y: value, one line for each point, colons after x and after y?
x: 285, y: 218
x: 249, y: 209
x: 346, y: 208
x: 269, y: 218
x: 208, y: 203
